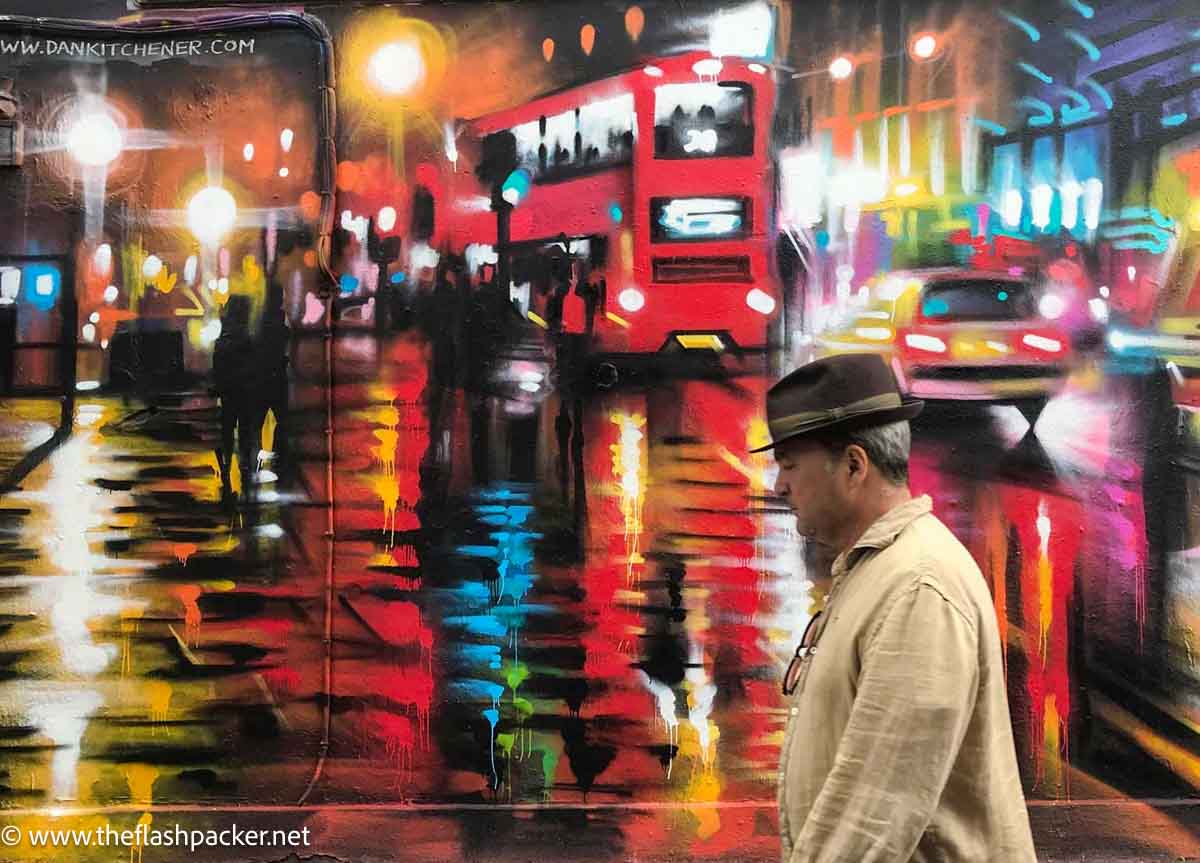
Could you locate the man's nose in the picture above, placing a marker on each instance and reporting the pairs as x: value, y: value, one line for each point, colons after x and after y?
x: 780, y: 485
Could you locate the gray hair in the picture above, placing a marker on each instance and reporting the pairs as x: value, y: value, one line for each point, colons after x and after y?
x: 887, y: 447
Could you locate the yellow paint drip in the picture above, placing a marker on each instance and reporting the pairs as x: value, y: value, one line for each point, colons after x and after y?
x: 385, y: 453
x: 158, y: 693
x: 1052, y: 762
x: 135, y: 852
x: 188, y: 595
x: 270, y: 424
x: 705, y: 788
x: 389, y: 492
x: 1045, y: 580
x: 386, y: 487
x: 140, y: 778
x: 130, y: 615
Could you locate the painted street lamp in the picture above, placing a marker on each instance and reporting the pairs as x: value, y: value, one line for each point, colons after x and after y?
x: 94, y: 139
x: 395, y: 68
x: 211, y: 214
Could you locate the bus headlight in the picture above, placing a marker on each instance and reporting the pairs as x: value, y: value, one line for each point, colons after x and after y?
x: 760, y: 301
x: 631, y: 299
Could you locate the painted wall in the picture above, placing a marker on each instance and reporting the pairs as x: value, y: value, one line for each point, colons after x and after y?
x: 343, y: 468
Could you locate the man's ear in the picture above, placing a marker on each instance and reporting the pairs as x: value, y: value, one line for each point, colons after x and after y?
x: 857, y: 460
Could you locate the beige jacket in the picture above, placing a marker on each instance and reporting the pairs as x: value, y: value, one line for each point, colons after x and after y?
x: 899, y: 745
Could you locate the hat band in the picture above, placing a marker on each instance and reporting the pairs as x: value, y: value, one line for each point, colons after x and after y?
x: 792, y: 423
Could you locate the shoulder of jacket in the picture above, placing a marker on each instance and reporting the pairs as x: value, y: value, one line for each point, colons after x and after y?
x: 933, y: 558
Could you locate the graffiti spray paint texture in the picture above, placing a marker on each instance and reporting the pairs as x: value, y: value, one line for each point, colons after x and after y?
x: 379, y: 386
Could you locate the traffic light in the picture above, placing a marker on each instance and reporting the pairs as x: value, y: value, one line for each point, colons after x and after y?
x: 499, y: 159
x: 381, y: 250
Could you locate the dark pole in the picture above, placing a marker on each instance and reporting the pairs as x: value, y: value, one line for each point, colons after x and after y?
x: 382, y: 251
x: 499, y: 161
x: 503, y: 237
x: 69, y: 339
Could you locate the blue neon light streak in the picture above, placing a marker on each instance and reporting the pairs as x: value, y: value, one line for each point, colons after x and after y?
x: 1046, y: 115
x: 988, y: 125
x: 1030, y: 30
x: 1029, y: 69
x: 1156, y: 247
x: 1082, y: 8
x: 1085, y: 43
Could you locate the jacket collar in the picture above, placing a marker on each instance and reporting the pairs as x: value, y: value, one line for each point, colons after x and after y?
x: 883, y: 532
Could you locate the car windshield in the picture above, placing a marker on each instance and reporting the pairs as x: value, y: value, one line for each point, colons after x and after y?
x: 978, y: 300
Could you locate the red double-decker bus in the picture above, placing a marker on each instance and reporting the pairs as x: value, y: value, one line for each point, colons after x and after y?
x: 653, y: 187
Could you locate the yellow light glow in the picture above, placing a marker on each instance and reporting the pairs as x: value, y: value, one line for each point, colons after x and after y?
x: 386, y: 54
x: 396, y: 67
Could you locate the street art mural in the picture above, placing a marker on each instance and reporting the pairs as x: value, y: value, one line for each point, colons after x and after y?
x: 378, y: 385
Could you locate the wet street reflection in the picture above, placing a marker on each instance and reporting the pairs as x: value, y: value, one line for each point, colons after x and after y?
x: 512, y: 625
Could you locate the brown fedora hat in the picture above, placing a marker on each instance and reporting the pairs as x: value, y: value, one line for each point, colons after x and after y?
x: 843, y: 392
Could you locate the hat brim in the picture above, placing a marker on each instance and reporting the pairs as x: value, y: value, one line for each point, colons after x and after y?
x: 908, y: 409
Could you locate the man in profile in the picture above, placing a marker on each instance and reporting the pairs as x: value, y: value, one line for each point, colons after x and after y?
x: 899, y: 743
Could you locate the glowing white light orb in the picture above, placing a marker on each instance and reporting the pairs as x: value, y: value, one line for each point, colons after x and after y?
x: 102, y: 260
x: 1052, y: 306
x: 396, y: 67
x: 924, y: 47
x: 841, y: 68
x: 631, y: 299
x: 211, y: 214
x: 760, y: 301
x: 152, y: 266
x: 94, y: 139
x: 210, y: 332
x: 386, y: 220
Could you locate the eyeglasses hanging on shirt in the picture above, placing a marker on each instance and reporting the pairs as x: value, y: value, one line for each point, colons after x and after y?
x: 807, y: 648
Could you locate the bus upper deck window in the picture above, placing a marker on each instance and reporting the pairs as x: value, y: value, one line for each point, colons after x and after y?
x: 695, y: 121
